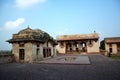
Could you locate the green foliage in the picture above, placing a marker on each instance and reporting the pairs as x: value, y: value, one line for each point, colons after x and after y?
x: 115, y: 57
x: 6, y: 52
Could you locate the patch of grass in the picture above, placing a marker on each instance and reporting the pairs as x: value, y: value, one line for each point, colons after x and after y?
x: 115, y: 57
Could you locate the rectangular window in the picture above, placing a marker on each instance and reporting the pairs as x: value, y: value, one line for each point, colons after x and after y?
x: 90, y: 42
x: 61, y: 44
x: 110, y: 45
x: 21, y: 45
x: 38, y: 45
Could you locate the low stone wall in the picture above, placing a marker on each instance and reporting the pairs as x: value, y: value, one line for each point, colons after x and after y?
x: 6, y: 58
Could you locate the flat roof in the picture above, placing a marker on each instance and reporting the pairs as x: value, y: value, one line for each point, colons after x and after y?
x: 77, y: 37
x: 112, y: 40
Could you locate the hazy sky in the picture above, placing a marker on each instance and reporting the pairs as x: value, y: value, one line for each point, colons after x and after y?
x: 58, y: 17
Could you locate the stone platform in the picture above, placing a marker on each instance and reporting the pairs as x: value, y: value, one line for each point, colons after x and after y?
x: 67, y: 59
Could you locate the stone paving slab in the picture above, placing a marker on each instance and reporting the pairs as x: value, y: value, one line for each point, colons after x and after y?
x: 68, y: 59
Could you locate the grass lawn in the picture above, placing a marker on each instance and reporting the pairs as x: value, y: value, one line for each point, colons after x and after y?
x: 115, y: 57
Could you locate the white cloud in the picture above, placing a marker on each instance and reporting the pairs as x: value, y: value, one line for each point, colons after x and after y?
x: 14, y: 24
x: 27, y: 3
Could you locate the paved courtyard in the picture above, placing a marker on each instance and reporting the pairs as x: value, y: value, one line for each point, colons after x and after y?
x: 101, y: 68
x: 68, y: 59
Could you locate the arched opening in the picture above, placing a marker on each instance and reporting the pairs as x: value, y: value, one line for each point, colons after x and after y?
x: 83, y: 47
x: 76, y: 46
x: 69, y: 47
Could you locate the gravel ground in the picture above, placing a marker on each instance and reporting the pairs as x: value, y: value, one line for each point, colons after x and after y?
x: 101, y: 68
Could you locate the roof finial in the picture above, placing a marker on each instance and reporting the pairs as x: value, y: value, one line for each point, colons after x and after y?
x: 94, y: 31
x: 28, y: 27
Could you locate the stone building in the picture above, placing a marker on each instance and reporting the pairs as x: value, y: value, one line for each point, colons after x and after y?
x: 111, y: 44
x: 29, y: 45
x: 80, y: 43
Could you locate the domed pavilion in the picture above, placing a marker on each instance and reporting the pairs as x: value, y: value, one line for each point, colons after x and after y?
x: 30, y: 45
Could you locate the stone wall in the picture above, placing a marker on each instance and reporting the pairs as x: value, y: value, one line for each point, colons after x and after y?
x: 113, y: 46
x: 28, y: 52
x: 61, y: 49
x: 90, y: 48
x: 94, y: 48
x: 6, y: 58
x: 15, y: 51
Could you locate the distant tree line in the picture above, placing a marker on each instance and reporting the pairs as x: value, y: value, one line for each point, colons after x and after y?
x: 5, y: 51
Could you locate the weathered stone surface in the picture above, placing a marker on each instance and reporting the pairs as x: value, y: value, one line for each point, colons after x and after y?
x: 29, y: 34
x: 112, y: 40
x: 88, y: 43
x: 30, y: 45
x: 77, y: 37
x: 111, y: 45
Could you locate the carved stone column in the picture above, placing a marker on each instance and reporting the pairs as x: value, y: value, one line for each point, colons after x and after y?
x: 72, y: 47
x: 79, y: 46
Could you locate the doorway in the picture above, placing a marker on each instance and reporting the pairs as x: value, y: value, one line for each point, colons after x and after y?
x: 46, y: 52
x: 110, y: 50
x: 21, y: 54
x: 118, y: 48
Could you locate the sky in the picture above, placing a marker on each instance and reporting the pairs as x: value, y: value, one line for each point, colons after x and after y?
x: 59, y: 17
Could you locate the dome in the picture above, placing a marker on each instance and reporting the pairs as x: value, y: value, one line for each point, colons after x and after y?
x: 29, y: 34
